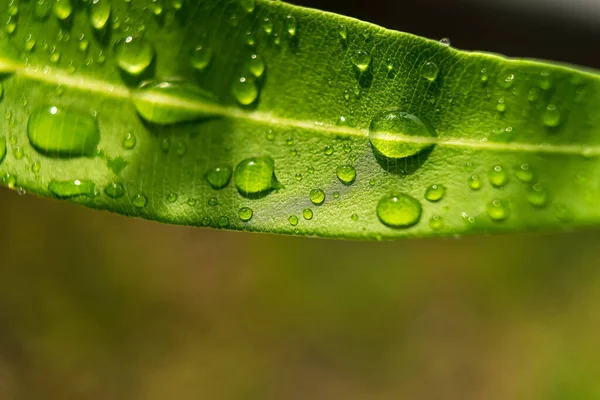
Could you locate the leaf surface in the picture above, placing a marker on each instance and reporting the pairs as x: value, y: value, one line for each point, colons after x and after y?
x: 262, y: 116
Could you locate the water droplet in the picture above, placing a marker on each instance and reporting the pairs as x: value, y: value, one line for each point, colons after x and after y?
x: 245, y: 214
x: 533, y: 95
x: 134, y: 55
x: 336, y: 195
x: 256, y: 65
x: 70, y: 189
x: 62, y: 9
x: 435, y: 193
x: 129, y: 141
x: 192, y: 202
x: 307, y: 214
x: 343, y: 33
x: 524, y: 173
x: 291, y: 25
x: 205, y: 221
x: 506, y: 79
x: 346, y: 174
x: 255, y: 177
x: 219, y: 177
x: 545, y: 80
x: 62, y: 132
x: 114, y: 190
x: 139, y: 201
x: 201, y: 57
x: 498, y: 210
x: 475, y: 182
x: 537, y: 196
x: 328, y: 150
x: 9, y: 180
x: 445, y: 42
x: 18, y: 153
x: 390, y: 130
x: 248, y: 5
x: 354, y: 217
x: 436, y: 222
x: 223, y: 221
x: 213, y: 201
x: 552, y: 117
x: 99, y: 13
x: 430, y: 71
x: 172, y: 197
x: 399, y: 210
x: 245, y: 90
x: 267, y: 25
x: 501, y: 105
x: 361, y: 60
x: 42, y: 9
x: 293, y: 220
x: 172, y: 101
x: 298, y: 177
x: 2, y: 148
x: 317, y: 196
x: 498, y: 176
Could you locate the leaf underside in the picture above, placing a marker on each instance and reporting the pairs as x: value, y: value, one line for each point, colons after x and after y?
x: 515, y: 144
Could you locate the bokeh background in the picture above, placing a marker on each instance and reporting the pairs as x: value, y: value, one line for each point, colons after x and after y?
x: 98, y: 306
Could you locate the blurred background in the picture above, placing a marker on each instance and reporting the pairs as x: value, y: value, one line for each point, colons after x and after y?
x: 98, y: 306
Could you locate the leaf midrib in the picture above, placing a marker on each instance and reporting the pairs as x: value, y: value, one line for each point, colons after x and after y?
x: 86, y: 84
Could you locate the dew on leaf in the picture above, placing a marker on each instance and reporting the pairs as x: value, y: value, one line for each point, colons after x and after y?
x: 307, y: 214
x: 114, y: 190
x: 192, y: 202
x: 436, y: 222
x: 336, y: 195
x: 139, y: 201
x: 475, y: 182
x: 256, y: 65
x: 63, y: 132
x: 328, y: 150
x: 245, y: 90
x: 291, y: 25
x: 498, y: 176
x: 99, y: 13
x: 354, y: 217
x: 134, y: 55
x: 361, y: 60
x: 390, y: 130
x: 255, y: 177
x: 62, y: 9
x: 172, y: 197
x: 435, y: 193
x: 35, y: 167
x: 498, y: 210
x: 219, y: 177
x: 430, y: 71
x: 399, y: 210
x: 317, y: 196
x: 537, y: 196
x: 70, y: 189
x: 213, y: 202
x: 293, y: 220
x: 346, y: 174
x: 129, y: 141
x: 223, y: 221
x: 552, y: 117
x: 445, y: 42
x: 248, y: 5
x: 245, y: 214
x: 524, y: 173
x: 200, y: 57
x: 172, y: 101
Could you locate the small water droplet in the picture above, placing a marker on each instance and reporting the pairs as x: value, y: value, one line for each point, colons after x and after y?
x: 436, y: 222
x: 293, y: 220
x: 245, y: 214
x: 291, y: 25
x: 389, y: 130
x: 430, y: 71
x: 498, y: 176
x: 192, y: 202
x: 256, y: 65
x: 205, y: 221
x: 172, y: 197
x: 435, y: 193
x: 219, y: 177
x: 343, y: 33
x: 336, y: 195
x: 114, y: 190
x: 255, y: 177
x: 213, y: 201
x: 537, y: 196
x: 498, y: 210
x: 139, y: 201
x: 475, y: 182
x: 35, y: 167
x: 346, y: 174
x: 445, y: 42
x: 200, y: 57
x: 129, y: 141
x: 501, y: 105
x: 524, y: 173
x: 317, y: 196
x: 245, y: 90
x: 354, y: 217
x: 134, y: 55
x: 70, y: 189
x: 307, y: 214
x: 399, y: 210
x: 223, y: 221
x: 328, y: 150
x: 62, y: 132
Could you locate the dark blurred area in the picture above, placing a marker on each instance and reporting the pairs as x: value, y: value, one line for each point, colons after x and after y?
x: 98, y: 306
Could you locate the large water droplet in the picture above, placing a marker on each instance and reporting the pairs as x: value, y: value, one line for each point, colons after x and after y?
x: 498, y: 210
x: 397, y: 134
x: 361, y: 60
x: 498, y: 176
x: 99, y: 13
x: 399, y: 210
x: 134, y: 55
x: 346, y: 174
x: 70, y: 189
x: 139, y: 201
x: 435, y: 193
x: 201, y: 57
x: 62, y: 9
x: 173, y: 101
x: 245, y: 214
x: 317, y: 196
x: 219, y: 177
x: 255, y: 177
x: 62, y: 132
x: 245, y: 90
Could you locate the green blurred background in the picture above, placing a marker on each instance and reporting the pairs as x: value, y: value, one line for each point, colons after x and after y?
x: 98, y: 306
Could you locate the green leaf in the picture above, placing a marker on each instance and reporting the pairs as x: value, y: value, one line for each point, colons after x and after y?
x: 262, y: 116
